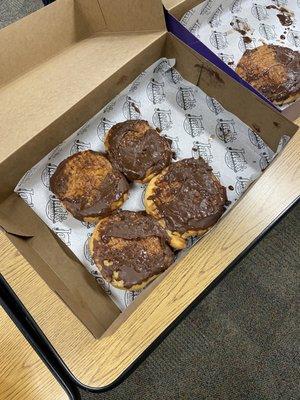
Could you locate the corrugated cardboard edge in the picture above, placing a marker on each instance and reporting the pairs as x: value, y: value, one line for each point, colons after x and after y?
x: 58, y: 266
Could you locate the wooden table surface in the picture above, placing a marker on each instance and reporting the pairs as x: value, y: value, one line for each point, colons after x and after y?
x: 98, y: 363
x: 23, y: 376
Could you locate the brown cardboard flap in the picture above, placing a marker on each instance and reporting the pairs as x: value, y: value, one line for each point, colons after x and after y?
x: 38, y: 37
x: 49, y: 31
x: 31, y: 103
x: 179, y: 7
x: 57, y: 266
x: 292, y: 112
x: 132, y: 15
x: 11, y: 227
x: 254, y: 112
x: 23, y: 222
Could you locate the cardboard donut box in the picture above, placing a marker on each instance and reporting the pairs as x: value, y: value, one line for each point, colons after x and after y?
x: 175, y: 11
x: 59, y: 67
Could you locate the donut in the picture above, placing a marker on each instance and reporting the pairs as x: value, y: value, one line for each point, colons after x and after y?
x: 137, y: 150
x: 186, y: 199
x: 130, y: 249
x: 88, y: 186
x: 274, y: 71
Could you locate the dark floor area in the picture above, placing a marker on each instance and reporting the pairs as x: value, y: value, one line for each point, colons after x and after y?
x: 241, y: 342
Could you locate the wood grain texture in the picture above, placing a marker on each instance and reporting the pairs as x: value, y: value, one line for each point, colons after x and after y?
x: 22, y: 373
x: 98, y: 363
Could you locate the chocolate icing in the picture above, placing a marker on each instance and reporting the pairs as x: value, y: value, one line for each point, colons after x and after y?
x: 285, y: 16
x: 135, y: 148
x: 273, y: 70
x: 134, y: 258
x: 97, y: 198
x: 247, y: 39
x: 189, y: 196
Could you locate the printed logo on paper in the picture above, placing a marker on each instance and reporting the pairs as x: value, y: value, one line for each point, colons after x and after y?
x: 63, y: 234
x: 207, y: 7
x: 280, y: 3
x: 264, y: 161
x: 86, y: 250
x: 175, y: 144
x: 294, y: 38
x: 215, y: 19
x: 26, y: 195
x: 129, y: 297
x: 155, y: 91
x: 187, y: 16
x: 55, y: 211
x: 225, y: 130
x: 214, y: 105
x: 235, y: 159
x: 56, y: 152
x: 162, y: 67
x: 218, y: 40
x: 267, y: 31
x: 185, y: 98
x: 202, y: 150
x: 131, y: 108
x: 246, y: 43
x: 173, y: 76
x: 79, y: 145
x: 135, y: 85
x: 193, y: 124
x: 259, y: 12
x: 241, y: 185
x: 109, y: 107
x: 47, y: 172
x: 236, y: 6
x: 195, y: 28
x: 27, y: 176
x: 283, y: 141
x: 102, y: 282
x: 162, y: 119
x: 103, y: 127
x: 255, y: 139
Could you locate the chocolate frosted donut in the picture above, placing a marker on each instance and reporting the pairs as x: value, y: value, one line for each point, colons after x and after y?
x: 186, y: 198
x: 137, y: 150
x: 273, y: 70
x: 88, y: 186
x: 130, y: 248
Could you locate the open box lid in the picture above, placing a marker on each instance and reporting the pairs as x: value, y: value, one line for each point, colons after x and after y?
x: 176, y: 10
x: 49, y: 68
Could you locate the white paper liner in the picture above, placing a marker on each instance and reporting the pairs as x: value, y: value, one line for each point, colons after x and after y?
x: 219, y: 24
x: 198, y: 126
